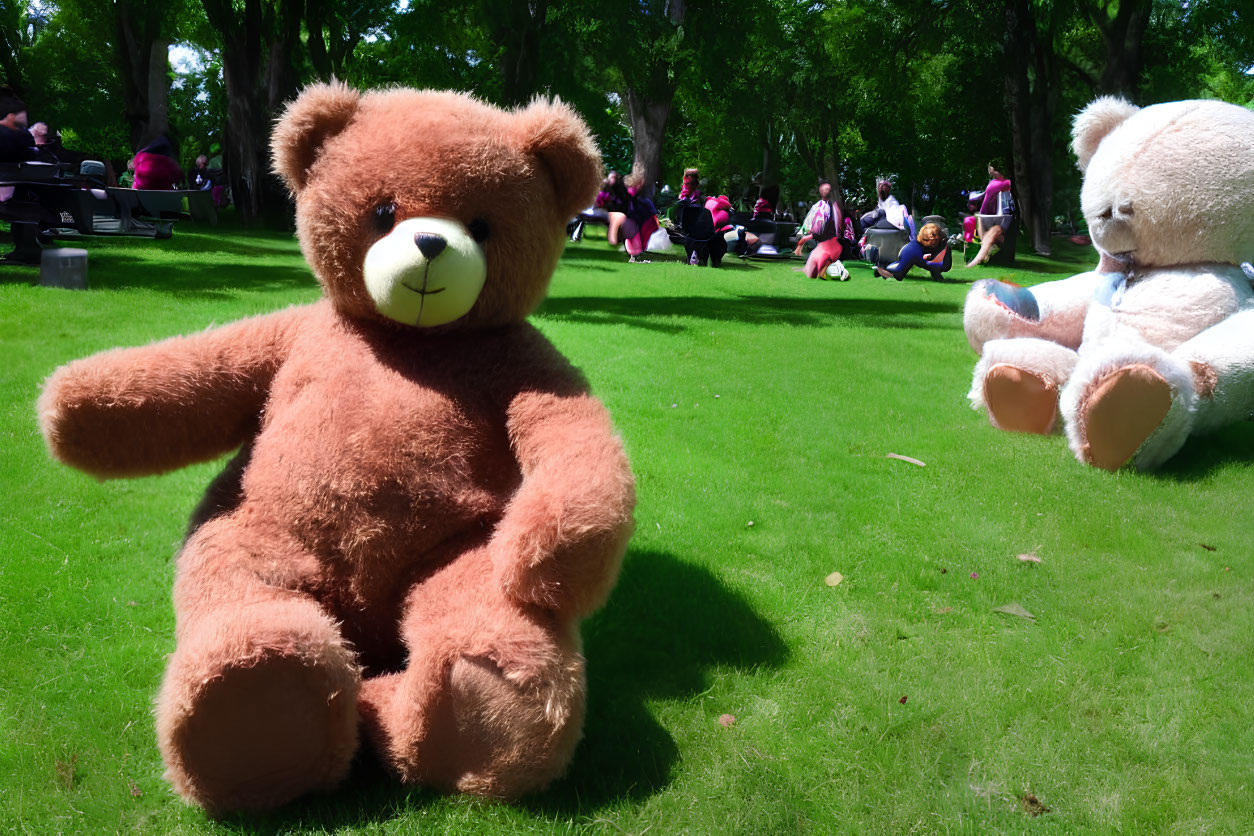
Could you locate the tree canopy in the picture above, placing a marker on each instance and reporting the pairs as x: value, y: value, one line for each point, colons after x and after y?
x: 768, y: 92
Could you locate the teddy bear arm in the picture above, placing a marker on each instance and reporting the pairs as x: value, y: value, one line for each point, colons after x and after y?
x: 1051, y: 311
x: 139, y: 411
x: 564, y: 531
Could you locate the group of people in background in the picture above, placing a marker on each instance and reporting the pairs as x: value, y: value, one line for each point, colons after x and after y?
x: 833, y: 232
x: 154, y: 166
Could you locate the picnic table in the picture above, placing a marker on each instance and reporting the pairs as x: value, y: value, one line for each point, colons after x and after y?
x: 49, y: 201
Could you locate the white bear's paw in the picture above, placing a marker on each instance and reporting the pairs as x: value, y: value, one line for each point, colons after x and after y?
x: 1120, y: 413
x: 1020, y: 400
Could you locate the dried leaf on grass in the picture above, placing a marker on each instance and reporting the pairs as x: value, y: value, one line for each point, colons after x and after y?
x: 834, y: 579
x: 1030, y: 557
x: 1032, y: 805
x: 726, y: 720
x: 65, y: 772
x: 1208, y: 548
x: 136, y: 792
x: 902, y: 458
x: 1015, y: 610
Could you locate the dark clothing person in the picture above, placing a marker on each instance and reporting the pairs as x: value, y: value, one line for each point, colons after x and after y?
x: 16, y: 145
x: 935, y: 259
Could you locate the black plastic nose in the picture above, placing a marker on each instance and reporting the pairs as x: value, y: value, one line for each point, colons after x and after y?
x: 430, y: 245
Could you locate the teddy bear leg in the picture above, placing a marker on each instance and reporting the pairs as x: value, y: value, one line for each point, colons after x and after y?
x: 492, y: 700
x: 1222, y: 361
x: 258, y: 703
x: 1128, y: 402
x: 1017, y: 382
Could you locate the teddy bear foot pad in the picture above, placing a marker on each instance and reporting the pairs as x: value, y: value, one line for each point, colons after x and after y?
x: 1121, y: 412
x: 1019, y: 400
x: 258, y: 736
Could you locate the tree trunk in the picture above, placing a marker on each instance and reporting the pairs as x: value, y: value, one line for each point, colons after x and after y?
x: 648, y: 127
x: 158, y: 91
x: 1122, y: 37
x: 1031, y: 91
x: 519, y: 33
x: 259, y: 77
x: 138, y: 40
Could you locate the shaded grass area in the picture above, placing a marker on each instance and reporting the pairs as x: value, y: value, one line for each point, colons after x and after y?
x: 758, y: 408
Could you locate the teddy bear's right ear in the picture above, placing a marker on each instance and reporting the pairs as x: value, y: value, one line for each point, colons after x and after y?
x: 320, y: 112
x: 558, y: 136
x: 1094, y: 123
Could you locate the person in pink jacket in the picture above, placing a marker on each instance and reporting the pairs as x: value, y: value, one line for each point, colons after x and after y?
x: 993, y: 234
x: 156, y: 168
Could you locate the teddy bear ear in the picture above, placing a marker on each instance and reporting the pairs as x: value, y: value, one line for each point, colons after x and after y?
x: 555, y: 133
x: 1094, y: 123
x: 320, y: 112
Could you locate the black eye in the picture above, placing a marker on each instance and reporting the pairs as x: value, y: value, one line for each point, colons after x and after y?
x: 479, y: 230
x: 384, y: 218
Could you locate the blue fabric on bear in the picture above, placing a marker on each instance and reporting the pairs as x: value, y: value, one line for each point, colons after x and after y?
x: 1018, y: 299
x: 1110, y: 290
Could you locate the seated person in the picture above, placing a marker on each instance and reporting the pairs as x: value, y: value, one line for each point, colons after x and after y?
x: 992, y: 234
x: 16, y: 142
x: 827, y: 226
x: 929, y: 250
x: 691, y: 189
x: 895, y: 217
x: 764, y: 208
x: 886, y: 203
x: 156, y: 168
x: 635, y: 224
x: 126, y: 179
x: 201, y: 177
x: 598, y: 212
x: 996, y: 185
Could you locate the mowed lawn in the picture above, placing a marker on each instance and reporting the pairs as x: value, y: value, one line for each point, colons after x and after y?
x: 732, y: 687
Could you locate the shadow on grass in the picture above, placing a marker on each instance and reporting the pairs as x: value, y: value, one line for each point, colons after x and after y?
x: 187, y: 277
x: 1202, y: 455
x: 616, y: 256
x: 747, y: 309
x: 665, y: 628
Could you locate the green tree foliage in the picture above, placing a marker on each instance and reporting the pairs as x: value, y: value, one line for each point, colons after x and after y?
x: 758, y: 93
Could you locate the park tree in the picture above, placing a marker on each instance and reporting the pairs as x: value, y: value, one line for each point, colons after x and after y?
x: 1031, y: 76
x: 20, y: 25
x: 645, y: 45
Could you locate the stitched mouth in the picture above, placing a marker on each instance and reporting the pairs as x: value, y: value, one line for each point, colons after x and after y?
x: 424, y: 292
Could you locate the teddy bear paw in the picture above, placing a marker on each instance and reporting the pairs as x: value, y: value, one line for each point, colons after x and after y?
x: 1121, y: 411
x: 256, y: 734
x: 1019, y: 400
x: 485, y: 731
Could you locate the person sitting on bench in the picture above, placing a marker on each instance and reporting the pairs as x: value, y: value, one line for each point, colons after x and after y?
x: 156, y: 168
x: 993, y: 234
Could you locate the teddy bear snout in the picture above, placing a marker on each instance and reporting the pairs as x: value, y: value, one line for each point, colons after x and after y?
x: 430, y: 245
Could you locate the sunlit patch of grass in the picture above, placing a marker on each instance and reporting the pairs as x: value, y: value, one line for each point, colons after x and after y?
x: 759, y: 409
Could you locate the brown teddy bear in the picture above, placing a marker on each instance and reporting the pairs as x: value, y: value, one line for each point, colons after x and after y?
x: 426, y: 498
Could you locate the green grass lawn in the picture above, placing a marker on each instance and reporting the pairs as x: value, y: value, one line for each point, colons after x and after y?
x: 759, y: 409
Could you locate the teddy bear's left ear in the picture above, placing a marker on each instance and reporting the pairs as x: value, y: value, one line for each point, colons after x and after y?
x: 320, y: 112
x: 560, y: 139
x: 1094, y: 123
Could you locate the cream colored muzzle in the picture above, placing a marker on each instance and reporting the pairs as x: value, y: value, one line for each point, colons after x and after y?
x: 425, y: 272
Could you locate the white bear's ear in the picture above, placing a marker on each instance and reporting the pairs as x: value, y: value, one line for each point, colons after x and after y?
x: 555, y: 133
x: 1093, y: 124
x: 320, y: 112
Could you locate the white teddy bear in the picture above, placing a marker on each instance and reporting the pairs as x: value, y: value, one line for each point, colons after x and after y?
x: 1157, y: 343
